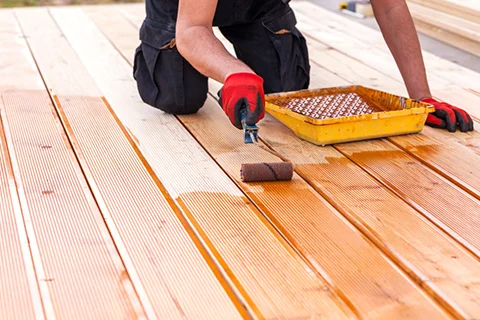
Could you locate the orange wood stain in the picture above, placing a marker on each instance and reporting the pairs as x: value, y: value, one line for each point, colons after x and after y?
x: 450, y: 275
x: 454, y: 210
x: 334, y: 248
x: 453, y: 161
x: 425, y: 252
x: 285, y: 290
x: 471, y: 140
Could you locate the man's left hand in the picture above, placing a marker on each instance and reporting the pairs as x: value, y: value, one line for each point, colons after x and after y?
x: 447, y: 116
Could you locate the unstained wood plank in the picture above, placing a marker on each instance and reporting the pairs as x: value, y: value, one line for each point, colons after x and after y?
x: 447, y: 80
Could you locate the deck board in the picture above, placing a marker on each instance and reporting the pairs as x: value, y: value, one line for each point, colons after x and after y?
x: 69, y: 242
x: 132, y: 205
x: 455, y: 210
x: 236, y: 234
x: 19, y: 287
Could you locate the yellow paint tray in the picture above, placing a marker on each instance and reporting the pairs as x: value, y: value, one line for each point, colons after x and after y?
x: 345, y: 114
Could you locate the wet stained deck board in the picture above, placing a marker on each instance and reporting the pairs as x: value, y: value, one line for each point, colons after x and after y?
x: 117, y: 29
x: 71, y: 249
x: 359, y: 197
x: 241, y: 240
x: 149, y: 236
x: 433, y: 259
x: 449, y: 206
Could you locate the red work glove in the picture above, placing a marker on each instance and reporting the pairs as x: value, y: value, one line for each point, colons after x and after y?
x: 447, y: 116
x: 243, y: 91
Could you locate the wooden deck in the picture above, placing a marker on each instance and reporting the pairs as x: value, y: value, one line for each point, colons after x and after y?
x: 111, y: 209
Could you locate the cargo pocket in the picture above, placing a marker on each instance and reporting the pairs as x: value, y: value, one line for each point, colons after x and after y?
x: 158, y: 68
x: 291, y: 48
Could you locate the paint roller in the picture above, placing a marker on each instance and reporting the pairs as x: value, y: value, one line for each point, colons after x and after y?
x: 258, y: 172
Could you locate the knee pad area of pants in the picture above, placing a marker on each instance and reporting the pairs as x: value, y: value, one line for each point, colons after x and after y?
x: 193, y: 102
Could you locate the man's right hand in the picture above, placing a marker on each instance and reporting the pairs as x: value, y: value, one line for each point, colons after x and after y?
x: 243, y: 91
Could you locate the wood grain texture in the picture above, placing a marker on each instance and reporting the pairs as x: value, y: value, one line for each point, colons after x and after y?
x: 452, y: 160
x: 50, y: 185
x: 444, y: 26
x: 132, y: 205
x: 456, y: 211
x: 465, y: 9
x: 272, y: 278
x: 19, y: 295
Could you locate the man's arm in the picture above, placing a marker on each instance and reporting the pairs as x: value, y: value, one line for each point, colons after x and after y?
x: 399, y: 32
x: 199, y: 46
x: 243, y: 89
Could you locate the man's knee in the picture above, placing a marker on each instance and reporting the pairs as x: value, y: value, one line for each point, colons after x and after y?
x: 192, y: 103
x: 165, y: 80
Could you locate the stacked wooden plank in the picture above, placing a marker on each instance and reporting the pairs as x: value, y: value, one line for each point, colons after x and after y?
x: 112, y: 209
x: 456, y: 22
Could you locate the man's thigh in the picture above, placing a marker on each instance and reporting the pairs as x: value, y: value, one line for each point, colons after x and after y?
x: 164, y: 78
x: 275, y: 49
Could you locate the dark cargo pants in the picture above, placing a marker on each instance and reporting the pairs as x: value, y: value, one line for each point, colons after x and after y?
x: 262, y: 32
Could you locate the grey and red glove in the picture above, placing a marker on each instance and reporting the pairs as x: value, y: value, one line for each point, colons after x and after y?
x: 447, y: 116
x: 243, y: 91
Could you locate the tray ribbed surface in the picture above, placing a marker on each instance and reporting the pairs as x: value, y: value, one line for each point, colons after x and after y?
x: 329, y: 106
